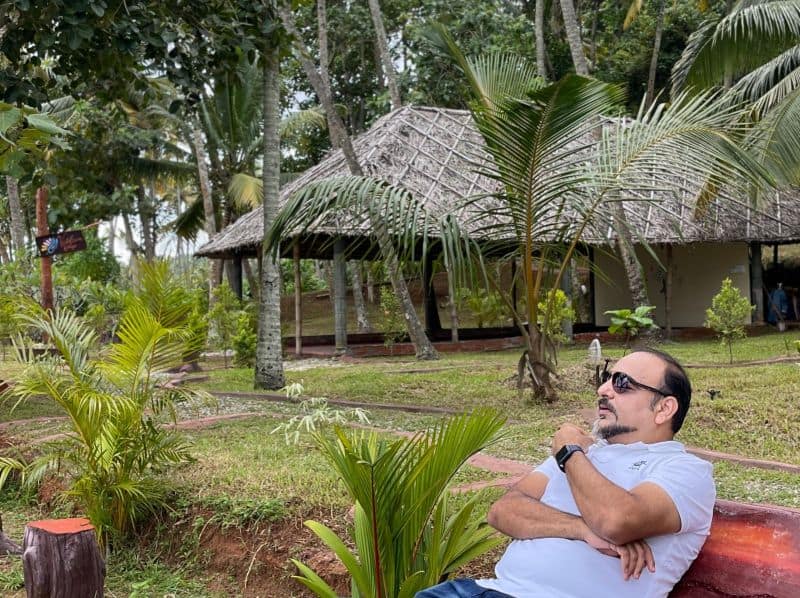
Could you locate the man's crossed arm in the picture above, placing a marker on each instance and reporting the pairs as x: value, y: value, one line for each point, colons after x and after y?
x: 613, y: 520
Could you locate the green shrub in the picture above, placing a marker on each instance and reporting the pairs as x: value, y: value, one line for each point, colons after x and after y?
x: 116, y: 451
x: 551, y: 320
x: 391, y: 322
x: 488, y: 308
x: 728, y: 314
x: 631, y: 322
x: 223, y: 317
x: 245, y: 340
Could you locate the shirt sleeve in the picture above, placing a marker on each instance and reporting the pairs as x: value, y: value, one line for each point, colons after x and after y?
x: 549, y: 467
x: 689, y: 482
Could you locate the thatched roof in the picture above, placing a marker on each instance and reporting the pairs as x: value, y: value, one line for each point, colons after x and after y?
x: 432, y: 152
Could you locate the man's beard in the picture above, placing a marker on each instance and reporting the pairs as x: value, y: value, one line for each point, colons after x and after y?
x: 608, y: 432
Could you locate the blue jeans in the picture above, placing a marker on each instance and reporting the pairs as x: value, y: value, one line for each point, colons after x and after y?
x: 460, y: 588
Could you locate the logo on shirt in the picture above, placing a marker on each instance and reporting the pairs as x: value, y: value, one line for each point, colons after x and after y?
x: 636, y: 466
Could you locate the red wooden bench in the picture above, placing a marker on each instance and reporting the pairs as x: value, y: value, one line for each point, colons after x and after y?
x: 753, y: 552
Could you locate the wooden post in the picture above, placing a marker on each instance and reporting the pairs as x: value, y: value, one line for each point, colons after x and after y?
x: 61, y: 559
x: 339, y: 296
x: 757, y: 282
x: 432, y: 322
x: 298, y: 301
x: 668, y: 293
x: 43, y: 228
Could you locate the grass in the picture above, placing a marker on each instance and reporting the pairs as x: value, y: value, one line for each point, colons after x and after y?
x: 245, y: 476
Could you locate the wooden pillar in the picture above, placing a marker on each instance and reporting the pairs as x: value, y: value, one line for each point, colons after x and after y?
x: 235, y: 275
x: 298, y: 300
x: 668, y: 293
x: 339, y: 296
x: 42, y: 229
x: 61, y: 559
x: 757, y: 282
x: 432, y: 322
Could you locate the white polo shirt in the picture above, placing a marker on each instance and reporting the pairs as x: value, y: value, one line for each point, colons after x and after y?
x: 558, y: 568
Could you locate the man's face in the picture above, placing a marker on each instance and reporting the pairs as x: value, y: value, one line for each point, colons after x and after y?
x: 626, y: 415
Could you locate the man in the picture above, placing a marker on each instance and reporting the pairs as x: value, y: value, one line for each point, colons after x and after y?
x: 623, y: 516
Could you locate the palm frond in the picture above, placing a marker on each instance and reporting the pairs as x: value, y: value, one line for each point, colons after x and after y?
x: 299, y: 120
x: 190, y: 221
x: 768, y: 84
x: 745, y: 39
x: 492, y: 77
x: 245, y: 191
x: 775, y: 140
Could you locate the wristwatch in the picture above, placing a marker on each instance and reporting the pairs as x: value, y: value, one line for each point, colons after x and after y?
x: 565, y: 452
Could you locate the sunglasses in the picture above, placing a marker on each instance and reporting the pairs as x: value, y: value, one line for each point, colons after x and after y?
x: 622, y: 383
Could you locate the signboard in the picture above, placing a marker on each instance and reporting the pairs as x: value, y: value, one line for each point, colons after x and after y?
x: 66, y: 242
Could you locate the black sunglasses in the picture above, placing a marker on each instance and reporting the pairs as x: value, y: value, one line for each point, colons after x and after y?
x: 622, y: 383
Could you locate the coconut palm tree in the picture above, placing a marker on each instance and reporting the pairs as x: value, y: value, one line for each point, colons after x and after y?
x: 406, y: 535
x: 757, y: 48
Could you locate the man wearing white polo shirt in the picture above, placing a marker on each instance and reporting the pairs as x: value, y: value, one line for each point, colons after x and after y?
x: 622, y: 514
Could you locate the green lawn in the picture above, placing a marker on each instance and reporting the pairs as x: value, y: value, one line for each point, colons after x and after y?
x: 245, y: 476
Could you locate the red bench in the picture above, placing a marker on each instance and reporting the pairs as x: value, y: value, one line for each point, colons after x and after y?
x: 753, y: 552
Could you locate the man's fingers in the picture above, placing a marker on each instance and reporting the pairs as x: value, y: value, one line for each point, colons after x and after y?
x: 649, y: 558
x: 638, y: 560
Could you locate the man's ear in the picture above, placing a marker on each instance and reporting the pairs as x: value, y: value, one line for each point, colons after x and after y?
x: 665, y: 409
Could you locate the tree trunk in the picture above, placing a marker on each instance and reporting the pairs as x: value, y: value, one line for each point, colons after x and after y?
x: 210, y: 226
x: 593, y: 40
x: 112, y: 234
x: 17, y: 217
x: 61, y: 559
x: 651, y: 77
x: 145, y: 219
x: 43, y: 228
x: 252, y: 281
x: 633, y: 269
x: 541, y: 50
x: 7, y: 546
x: 133, y: 247
x: 424, y: 348
x: 269, y: 358
x: 573, y: 31
x: 358, y: 298
x: 4, y: 257
x: 386, y: 58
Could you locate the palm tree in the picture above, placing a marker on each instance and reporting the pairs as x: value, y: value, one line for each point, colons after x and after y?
x: 116, y: 450
x: 756, y: 48
x: 557, y: 180
x: 406, y: 536
x: 633, y: 12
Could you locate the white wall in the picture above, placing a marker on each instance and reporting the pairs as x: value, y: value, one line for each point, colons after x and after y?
x: 697, y: 273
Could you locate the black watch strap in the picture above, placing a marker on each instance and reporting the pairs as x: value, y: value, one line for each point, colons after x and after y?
x: 565, y: 452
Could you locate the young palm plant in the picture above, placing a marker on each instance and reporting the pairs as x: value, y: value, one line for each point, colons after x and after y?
x: 562, y: 170
x: 116, y: 449
x: 406, y: 537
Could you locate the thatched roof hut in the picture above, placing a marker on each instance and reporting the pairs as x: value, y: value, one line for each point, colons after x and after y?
x: 433, y: 153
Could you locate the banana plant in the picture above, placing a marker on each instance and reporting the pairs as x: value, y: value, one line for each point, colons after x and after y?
x: 406, y: 535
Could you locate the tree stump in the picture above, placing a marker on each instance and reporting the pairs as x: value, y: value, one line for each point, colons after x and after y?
x: 61, y: 559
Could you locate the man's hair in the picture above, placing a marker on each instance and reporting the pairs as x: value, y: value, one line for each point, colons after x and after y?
x: 676, y: 383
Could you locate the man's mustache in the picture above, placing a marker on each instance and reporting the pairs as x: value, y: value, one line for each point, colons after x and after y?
x: 604, y: 404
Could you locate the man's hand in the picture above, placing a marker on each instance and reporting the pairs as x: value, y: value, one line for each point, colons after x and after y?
x: 634, y: 557
x: 571, y: 434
